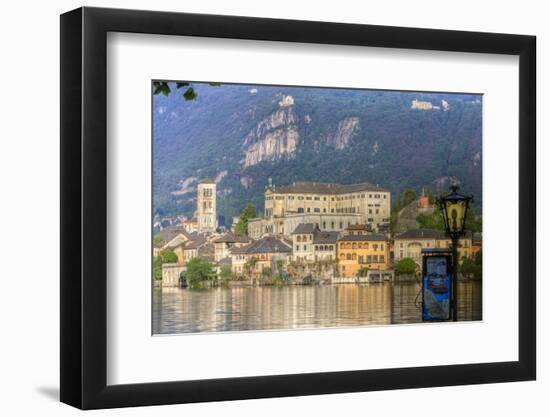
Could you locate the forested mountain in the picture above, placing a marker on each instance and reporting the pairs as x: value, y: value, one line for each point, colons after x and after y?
x: 241, y: 136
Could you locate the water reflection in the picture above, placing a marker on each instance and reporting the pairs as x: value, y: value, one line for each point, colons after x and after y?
x: 291, y: 307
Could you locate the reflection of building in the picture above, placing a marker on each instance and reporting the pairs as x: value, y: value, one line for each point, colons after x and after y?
x: 362, y: 251
x: 410, y: 244
x: 206, y: 206
x: 333, y: 207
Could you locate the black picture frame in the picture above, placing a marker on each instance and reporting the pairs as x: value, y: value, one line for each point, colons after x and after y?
x: 84, y: 207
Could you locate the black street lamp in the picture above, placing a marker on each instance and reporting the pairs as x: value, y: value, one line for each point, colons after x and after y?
x: 454, y: 207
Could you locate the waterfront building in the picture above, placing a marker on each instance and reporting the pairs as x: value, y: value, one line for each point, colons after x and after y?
x: 206, y: 206
x: 310, y: 244
x: 409, y: 244
x: 333, y: 207
x: 238, y: 260
x: 199, y: 247
x: 260, y: 254
x: 171, y: 273
x: 362, y: 251
x: 224, y: 243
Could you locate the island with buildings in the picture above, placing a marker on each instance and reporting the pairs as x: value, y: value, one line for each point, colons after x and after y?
x: 309, y: 233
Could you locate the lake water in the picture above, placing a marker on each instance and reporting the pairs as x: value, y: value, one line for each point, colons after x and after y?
x: 178, y: 310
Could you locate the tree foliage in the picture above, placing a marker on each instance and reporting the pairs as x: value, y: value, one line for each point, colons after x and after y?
x: 198, y: 270
x: 431, y: 221
x: 165, y: 88
x: 225, y: 273
x: 249, y: 212
x: 168, y: 256
x: 363, y: 271
x: 164, y: 257
x: 157, y: 268
x: 472, y: 267
x: 406, y: 266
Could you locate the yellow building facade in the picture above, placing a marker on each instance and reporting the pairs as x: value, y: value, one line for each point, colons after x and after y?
x: 362, y: 251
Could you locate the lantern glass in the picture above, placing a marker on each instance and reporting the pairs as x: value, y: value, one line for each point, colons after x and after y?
x: 455, y: 215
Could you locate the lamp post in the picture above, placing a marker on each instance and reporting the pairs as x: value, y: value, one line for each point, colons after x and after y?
x: 454, y: 207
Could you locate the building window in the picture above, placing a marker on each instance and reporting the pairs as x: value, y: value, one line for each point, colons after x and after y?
x: 324, y: 225
x: 382, y: 259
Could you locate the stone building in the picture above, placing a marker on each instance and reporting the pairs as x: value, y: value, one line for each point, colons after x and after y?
x: 224, y: 243
x: 262, y: 253
x: 206, y: 206
x: 171, y: 273
x: 332, y: 207
x: 410, y: 244
x: 363, y: 251
x: 310, y: 244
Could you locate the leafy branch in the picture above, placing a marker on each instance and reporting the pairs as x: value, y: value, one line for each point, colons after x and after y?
x: 163, y: 87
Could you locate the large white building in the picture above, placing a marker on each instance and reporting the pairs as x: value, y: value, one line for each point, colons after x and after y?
x: 206, y: 206
x: 332, y: 207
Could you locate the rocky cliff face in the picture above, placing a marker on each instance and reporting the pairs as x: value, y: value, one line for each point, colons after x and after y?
x: 344, y: 132
x: 273, y: 138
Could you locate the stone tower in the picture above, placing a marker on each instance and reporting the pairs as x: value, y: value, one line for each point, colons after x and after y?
x: 206, y: 206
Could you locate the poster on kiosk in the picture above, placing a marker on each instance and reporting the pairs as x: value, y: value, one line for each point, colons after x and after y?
x: 436, y: 288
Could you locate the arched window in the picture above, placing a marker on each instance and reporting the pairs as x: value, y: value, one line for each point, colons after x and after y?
x: 299, y: 238
x: 348, y: 256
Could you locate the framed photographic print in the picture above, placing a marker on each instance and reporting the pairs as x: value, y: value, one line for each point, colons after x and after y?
x: 258, y: 208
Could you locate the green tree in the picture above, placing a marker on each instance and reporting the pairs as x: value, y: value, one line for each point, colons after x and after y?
x: 168, y: 256
x: 363, y: 271
x: 250, y: 265
x: 164, y: 257
x: 225, y: 273
x: 198, y: 271
x: 267, y: 272
x: 406, y: 266
x: 248, y: 213
x: 157, y: 268
x: 409, y: 195
x: 431, y: 221
x: 473, y: 221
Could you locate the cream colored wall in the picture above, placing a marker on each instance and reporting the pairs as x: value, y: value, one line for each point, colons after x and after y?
x: 284, y: 204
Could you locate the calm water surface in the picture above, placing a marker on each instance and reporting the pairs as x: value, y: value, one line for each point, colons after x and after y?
x: 178, y: 310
